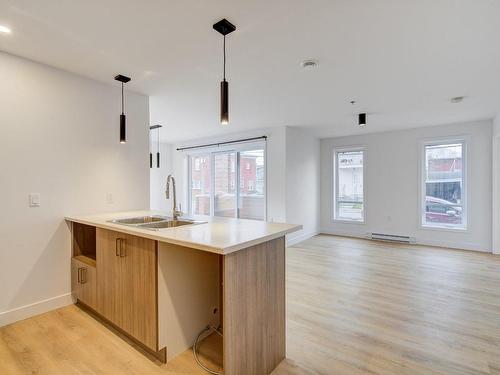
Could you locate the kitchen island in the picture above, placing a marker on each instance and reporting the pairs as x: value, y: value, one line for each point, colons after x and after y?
x: 161, y: 288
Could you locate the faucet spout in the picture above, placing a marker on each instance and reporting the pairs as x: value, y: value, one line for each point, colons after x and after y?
x: 175, y: 212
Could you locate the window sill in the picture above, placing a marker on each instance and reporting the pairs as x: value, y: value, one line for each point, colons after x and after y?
x: 444, y: 228
x: 347, y: 221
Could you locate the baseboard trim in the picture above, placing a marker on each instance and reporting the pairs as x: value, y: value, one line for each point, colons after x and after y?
x: 294, y: 240
x: 40, y: 307
x: 454, y: 245
x: 420, y: 241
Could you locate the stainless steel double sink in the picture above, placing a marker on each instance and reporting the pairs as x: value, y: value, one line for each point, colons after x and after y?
x: 154, y: 222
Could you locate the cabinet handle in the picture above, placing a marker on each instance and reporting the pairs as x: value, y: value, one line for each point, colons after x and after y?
x: 123, y: 252
x: 84, y: 273
x: 81, y: 274
x: 118, y: 240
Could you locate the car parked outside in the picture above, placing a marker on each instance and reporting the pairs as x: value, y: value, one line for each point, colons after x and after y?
x: 442, y: 211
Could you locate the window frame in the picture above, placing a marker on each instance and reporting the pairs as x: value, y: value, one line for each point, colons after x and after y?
x: 211, y: 151
x: 465, y: 142
x: 335, y: 182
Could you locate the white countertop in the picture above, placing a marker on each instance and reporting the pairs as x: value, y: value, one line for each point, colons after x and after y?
x: 218, y: 235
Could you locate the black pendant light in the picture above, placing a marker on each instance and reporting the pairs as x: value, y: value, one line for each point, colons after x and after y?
x: 150, y: 149
x: 224, y: 27
x: 158, y: 147
x: 362, y: 119
x: 123, y: 120
x: 157, y: 128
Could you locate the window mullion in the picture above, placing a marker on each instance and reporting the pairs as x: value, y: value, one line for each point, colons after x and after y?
x: 237, y: 184
x: 212, y: 184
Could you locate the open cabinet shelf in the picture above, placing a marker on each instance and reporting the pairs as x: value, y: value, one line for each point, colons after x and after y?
x: 85, y: 259
x: 84, y: 243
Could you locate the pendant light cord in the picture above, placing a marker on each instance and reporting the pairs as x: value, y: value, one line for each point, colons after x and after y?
x: 224, y: 57
x: 122, y: 99
x: 158, y: 140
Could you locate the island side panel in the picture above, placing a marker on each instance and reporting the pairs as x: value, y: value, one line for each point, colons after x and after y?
x: 254, y: 309
x: 188, y: 294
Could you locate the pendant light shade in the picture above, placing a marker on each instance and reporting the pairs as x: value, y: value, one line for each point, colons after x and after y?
x: 158, y: 147
x: 224, y: 27
x: 224, y: 103
x: 123, y: 128
x: 123, y: 120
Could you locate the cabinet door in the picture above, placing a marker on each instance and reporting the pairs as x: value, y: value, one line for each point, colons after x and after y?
x: 109, y: 274
x: 83, y: 283
x: 76, y: 287
x: 140, y: 289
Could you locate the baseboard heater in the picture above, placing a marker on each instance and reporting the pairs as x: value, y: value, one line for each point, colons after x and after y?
x: 391, y: 238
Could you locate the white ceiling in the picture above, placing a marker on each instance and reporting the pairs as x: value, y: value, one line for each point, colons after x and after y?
x: 402, y: 60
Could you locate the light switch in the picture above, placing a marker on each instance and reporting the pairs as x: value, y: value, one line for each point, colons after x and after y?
x: 34, y: 199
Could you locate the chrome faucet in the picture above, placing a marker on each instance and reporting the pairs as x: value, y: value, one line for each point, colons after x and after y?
x: 175, y: 212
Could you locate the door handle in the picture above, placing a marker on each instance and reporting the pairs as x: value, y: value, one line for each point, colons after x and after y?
x: 79, y: 277
x: 123, y: 249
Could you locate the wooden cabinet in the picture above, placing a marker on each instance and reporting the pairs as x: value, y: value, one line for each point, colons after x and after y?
x: 83, y: 281
x: 139, y: 275
x: 109, y: 273
x: 127, y: 284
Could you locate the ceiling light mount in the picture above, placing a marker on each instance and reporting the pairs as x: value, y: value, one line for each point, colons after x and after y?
x: 224, y: 27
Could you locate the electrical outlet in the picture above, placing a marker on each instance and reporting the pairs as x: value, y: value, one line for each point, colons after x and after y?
x: 109, y: 198
x: 215, y: 310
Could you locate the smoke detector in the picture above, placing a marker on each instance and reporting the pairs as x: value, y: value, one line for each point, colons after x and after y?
x: 309, y: 64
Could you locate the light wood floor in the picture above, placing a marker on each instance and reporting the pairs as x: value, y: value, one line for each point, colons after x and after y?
x: 353, y: 307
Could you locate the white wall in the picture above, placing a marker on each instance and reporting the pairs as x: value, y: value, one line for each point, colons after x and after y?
x: 60, y: 139
x: 302, y: 183
x: 496, y: 185
x: 392, y: 185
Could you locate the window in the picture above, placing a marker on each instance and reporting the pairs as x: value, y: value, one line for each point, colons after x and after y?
x: 348, y: 187
x: 443, y: 185
x: 197, y: 162
x: 229, y: 183
x: 225, y: 195
x: 251, y: 185
x: 201, y: 181
x: 252, y: 204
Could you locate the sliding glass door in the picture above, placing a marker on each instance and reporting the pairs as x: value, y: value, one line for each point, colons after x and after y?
x: 225, y: 184
x: 229, y: 183
x: 200, y: 184
x: 252, y: 183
